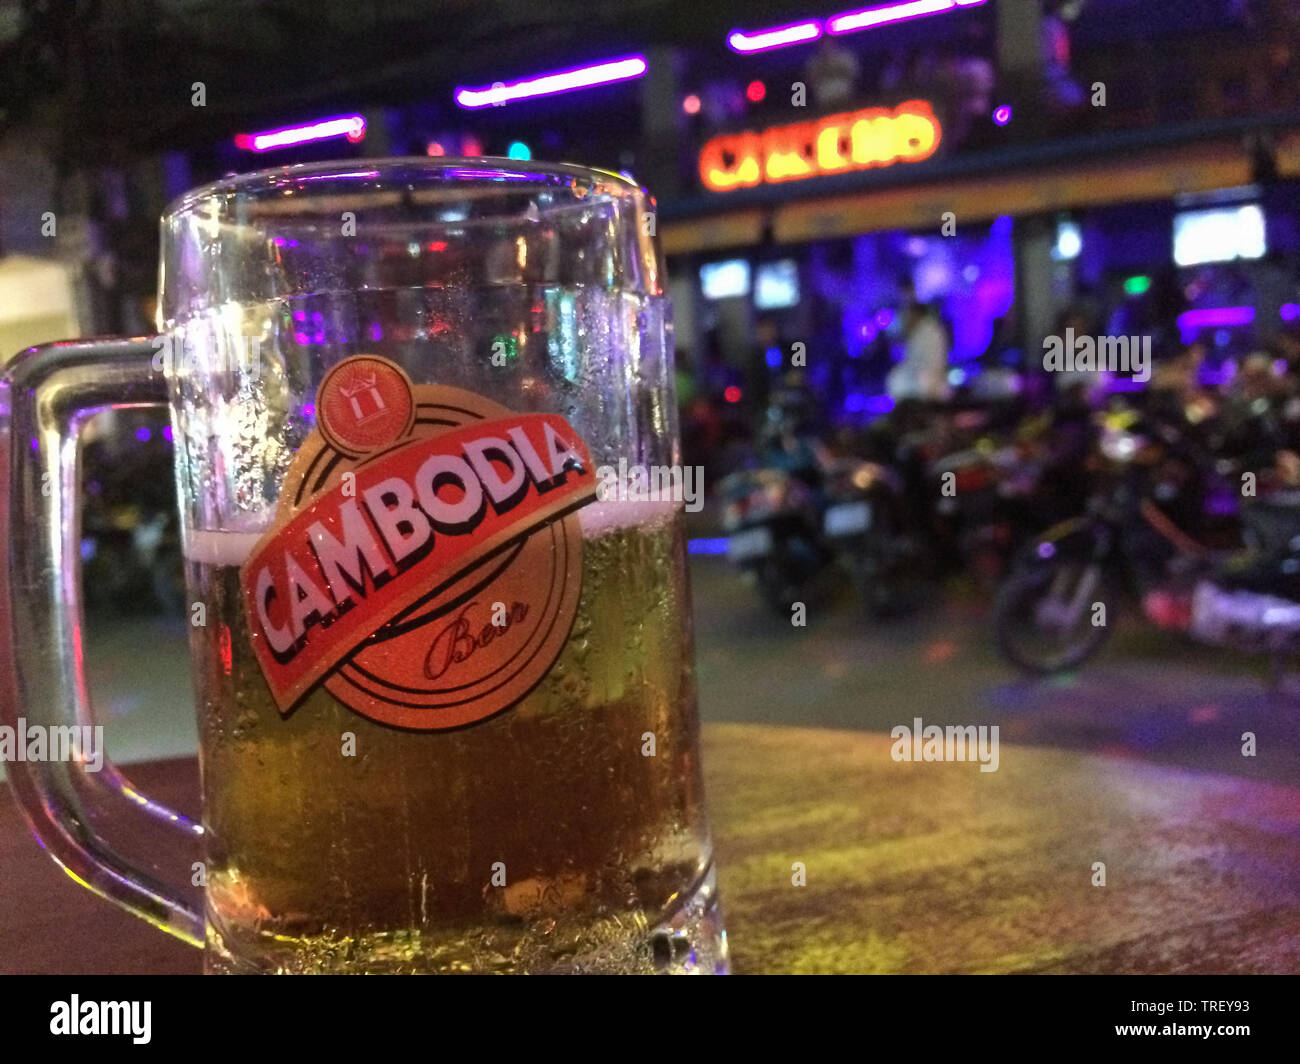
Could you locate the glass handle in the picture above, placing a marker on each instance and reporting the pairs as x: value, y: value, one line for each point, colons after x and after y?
x: 46, y: 396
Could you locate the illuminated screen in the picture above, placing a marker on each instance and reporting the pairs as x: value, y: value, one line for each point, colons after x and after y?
x: 777, y: 285
x: 725, y: 280
x: 1218, y: 234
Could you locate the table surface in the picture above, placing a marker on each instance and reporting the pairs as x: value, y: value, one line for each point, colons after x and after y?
x: 931, y: 867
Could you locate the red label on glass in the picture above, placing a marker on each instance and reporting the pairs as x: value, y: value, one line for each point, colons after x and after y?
x: 426, y: 561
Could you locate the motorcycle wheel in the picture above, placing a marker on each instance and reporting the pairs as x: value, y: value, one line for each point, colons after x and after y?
x: 1023, y: 608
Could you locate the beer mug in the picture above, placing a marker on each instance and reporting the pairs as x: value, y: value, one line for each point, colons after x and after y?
x: 440, y: 631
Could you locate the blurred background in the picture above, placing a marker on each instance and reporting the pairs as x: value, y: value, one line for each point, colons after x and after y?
x: 874, y: 219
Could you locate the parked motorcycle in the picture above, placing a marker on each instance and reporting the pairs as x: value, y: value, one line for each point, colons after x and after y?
x: 1153, y: 534
x: 975, y: 489
x: 805, y: 510
x: 1252, y: 601
x: 864, y: 525
x: 772, y: 521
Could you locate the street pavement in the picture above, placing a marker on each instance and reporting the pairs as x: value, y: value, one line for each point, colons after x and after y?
x: 1149, y: 695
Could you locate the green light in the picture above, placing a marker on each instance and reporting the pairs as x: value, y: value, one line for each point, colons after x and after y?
x: 1137, y: 285
x: 519, y: 150
x: 505, y: 349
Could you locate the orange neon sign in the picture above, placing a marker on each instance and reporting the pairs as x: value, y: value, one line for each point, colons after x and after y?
x: 856, y: 140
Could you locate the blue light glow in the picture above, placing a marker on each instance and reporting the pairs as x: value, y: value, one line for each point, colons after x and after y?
x: 858, y: 403
x: 707, y: 546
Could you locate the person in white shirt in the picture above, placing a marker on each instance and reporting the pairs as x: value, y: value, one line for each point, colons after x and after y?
x: 923, y: 373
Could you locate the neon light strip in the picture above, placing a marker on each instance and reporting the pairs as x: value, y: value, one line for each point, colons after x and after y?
x: 351, y: 126
x: 777, y: 37
x: 625, y: 69
x: 706, y: 546
x: 852, y: 21
x: 747, y: 43
x: 1121, y: 384
x: 1214, y: 316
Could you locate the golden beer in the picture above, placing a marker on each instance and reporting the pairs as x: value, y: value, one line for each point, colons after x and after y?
x: 565, y: 834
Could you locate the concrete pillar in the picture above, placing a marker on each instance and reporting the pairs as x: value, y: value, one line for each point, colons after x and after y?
x: 1020, y: 62
x: 663, y: 132
x: 1033, y: 240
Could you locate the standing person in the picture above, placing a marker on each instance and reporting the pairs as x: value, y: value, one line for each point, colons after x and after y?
x: 923, y: 373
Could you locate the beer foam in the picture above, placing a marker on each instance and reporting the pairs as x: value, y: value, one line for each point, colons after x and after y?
x: 602, y: 517
x: 228, y: 547
x: 220, y: 548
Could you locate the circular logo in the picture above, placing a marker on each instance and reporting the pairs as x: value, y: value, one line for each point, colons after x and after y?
x: 364, y: 404
x: 470, y: 639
